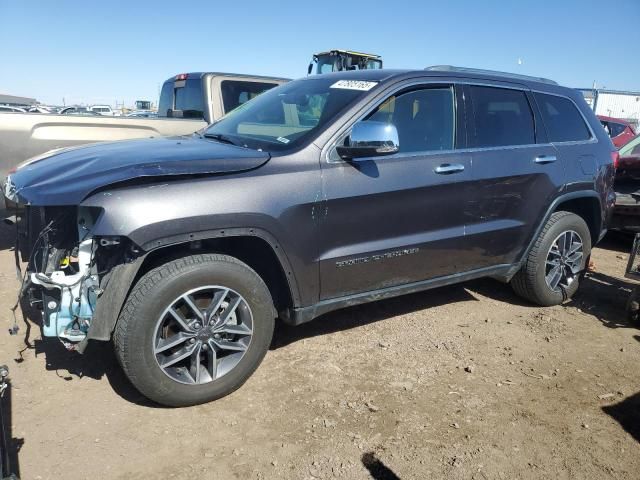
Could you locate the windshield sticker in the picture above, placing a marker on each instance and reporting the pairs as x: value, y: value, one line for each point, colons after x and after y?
x: 283, y: 140
x: 354, y: 85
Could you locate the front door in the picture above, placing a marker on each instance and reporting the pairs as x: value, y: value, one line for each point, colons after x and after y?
x: 398, y: 219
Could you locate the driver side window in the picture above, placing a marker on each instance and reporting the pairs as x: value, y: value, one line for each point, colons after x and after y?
x: 424, y: 118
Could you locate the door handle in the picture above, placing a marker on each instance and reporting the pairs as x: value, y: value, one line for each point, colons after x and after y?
x: 449, y: 168
x: 543, y: 159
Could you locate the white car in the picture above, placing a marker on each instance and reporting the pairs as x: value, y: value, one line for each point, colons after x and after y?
x: 9, y: 108
x: 102, y: 110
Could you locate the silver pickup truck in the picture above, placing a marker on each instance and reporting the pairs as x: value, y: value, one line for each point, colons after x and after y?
x: 188, y: 102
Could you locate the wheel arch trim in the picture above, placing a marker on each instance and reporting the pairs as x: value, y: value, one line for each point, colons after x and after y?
x: 582, y: 194
x: 122, y: 276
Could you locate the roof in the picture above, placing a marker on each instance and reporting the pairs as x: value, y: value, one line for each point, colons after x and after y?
x: 226, y: 74
x: 350, y: 52
x: 14, y: 100
x: 613, y: 119
x: 475, y: 71
x: 381, y: 75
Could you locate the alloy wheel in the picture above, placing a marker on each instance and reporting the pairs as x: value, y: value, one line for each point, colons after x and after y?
x: 203, y: 334
x: 564, y: 260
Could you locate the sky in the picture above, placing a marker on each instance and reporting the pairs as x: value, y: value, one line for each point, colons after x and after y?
x: 93, y: 51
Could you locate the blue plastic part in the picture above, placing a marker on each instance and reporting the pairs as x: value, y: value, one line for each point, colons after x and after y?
x: 68, y: 311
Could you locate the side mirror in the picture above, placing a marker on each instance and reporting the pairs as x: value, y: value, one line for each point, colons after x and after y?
x: 370, y: 139
x: 310, y: 69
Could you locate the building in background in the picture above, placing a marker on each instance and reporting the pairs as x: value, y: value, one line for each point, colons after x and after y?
x: 614, y: 103
x: 17, y: 101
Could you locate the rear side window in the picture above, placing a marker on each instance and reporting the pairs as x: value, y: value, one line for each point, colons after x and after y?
x: 562, y: 119
x: 502, y: 117
x: 235, y: 93
x: 616, y: 128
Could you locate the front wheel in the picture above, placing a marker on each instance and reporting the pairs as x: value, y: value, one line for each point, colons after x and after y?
x: 551, y: 272
x: 194, y: 329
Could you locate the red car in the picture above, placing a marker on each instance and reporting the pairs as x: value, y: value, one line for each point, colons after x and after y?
x: 626, y: 214
x: 619, y: 130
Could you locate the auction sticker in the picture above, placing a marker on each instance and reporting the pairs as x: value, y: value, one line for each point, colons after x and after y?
x: 354, y: 85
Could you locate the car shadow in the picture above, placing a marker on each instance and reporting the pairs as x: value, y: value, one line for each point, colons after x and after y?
x: 376, y: 467
x: 627, y: 414
x: 7, y: 233
x: 96, y: 362
x: 605, y: 297
x: 617, y: 241
x: 12, y: 444
x: 357, y: 316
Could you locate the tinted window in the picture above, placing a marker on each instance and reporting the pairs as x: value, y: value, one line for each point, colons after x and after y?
x: 502, y: 117
x: 189, y: 99
x: 166, y: 99
x: 562, y: 119
x: 616, y: 128
x: 424, y: 118
x: 235, y: 93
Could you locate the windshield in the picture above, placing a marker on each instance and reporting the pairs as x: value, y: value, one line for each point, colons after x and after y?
x: 285, y: 117
x: 630, y: 147
x: 325, y: 64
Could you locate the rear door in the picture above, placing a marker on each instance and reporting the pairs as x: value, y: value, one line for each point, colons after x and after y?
x: 398, y: 219
x: 573, y: 139
x: 516, y: 173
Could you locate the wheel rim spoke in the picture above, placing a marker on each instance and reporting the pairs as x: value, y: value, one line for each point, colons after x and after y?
x: 230, y: 310
x: 212, y: 361
x: 203, y: 334
x: 192, y: 306
x: 240, y: 329
x: 180, y: 319
x: 175, y: 340
x: 216, y: 303
x: 554, y: 276
x: 178, y: 356
x: 238, y: 346
x: 195, y: 369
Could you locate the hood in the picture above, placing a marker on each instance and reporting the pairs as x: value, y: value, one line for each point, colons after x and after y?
x: 67, y: 176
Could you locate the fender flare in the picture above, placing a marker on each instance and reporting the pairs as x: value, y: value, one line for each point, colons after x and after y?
x: 118, y: 282
x: 552, y: 208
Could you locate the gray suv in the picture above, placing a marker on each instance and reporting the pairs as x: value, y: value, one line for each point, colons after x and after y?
x: 325, y: 192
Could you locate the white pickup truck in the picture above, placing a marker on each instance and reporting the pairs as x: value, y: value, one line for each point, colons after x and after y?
x: 188, y: 102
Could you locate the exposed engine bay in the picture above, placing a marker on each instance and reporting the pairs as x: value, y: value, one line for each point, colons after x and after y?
x: 66, y: 266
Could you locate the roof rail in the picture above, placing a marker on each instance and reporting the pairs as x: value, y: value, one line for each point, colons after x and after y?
x: 514, y: 76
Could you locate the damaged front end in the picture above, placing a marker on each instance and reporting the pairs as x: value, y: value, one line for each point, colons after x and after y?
x: 67, y: 270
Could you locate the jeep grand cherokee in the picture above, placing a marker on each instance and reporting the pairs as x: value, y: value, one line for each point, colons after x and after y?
x: 325, y: 192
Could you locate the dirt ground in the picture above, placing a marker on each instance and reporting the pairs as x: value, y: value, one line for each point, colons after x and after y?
x: 459, y: 382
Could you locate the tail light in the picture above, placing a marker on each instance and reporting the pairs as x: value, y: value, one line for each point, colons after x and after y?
x: 615, y: 158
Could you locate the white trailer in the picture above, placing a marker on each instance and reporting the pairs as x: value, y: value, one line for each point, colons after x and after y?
x: 614, y: 103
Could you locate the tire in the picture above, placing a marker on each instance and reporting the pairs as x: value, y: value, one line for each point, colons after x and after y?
x: 530, y: 282
x: 157, y: 309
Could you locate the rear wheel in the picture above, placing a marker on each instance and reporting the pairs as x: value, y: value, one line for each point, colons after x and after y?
x: 551, y: 272
x: 194, y: 329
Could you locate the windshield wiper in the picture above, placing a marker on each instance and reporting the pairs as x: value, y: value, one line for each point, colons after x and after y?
x: 221, y: 138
